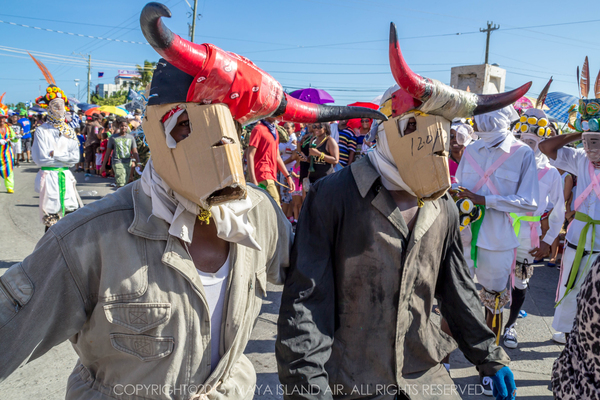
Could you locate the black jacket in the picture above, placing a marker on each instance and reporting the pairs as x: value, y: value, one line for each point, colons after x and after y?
x: 358, y: 297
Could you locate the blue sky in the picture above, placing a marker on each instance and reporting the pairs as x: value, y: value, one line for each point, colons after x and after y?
x: 338, y: 45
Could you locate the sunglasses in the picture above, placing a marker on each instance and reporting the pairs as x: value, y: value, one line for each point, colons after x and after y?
x: 317, y: 126
x: 365, y: 120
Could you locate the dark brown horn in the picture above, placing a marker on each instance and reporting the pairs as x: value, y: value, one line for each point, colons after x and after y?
x: 295, y: 110
x: 421, y: 88
x: 187, y: 56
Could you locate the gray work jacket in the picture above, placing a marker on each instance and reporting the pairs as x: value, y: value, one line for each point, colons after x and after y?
x: 112, y: 280
x: 355, y: 318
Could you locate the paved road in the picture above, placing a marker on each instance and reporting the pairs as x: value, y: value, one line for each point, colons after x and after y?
x: 46, y: 377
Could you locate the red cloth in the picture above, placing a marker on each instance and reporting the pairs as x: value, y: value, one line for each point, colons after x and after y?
x: 453, y: 166
x: 267, y: 150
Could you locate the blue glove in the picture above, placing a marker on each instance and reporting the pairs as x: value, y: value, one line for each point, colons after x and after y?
x: 504, y: 387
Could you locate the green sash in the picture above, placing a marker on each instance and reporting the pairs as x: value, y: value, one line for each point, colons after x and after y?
x: 475, y: 227
x: 62, y: 187
x: 579, y: 216
x: 525, y: 218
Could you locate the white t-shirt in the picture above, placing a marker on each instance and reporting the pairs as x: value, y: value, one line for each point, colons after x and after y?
x: 215, y: 287
x: 286, y: 150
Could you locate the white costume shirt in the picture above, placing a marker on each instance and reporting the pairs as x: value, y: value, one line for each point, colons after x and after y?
x: 576, y: 162
x: 66, y: 154
x: 516, y: 181
x: 551, y: 193
x: 215, y: 288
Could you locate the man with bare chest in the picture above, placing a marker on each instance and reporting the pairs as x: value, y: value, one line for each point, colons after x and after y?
x: 375, y: 245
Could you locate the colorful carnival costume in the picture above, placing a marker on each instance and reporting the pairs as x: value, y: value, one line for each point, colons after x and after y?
x: 582, y: 244
x: 55, y: 150
x: 118, y: 277
x: 533, y: 127
x: 357, y: 303
x: 7, y: 137
x: 502, y: 170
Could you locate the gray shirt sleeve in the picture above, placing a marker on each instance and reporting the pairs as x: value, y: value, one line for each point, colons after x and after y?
x: 40, y: 305
x: 111, y: 144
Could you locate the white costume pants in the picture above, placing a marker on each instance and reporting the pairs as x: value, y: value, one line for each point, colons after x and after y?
x: 565, y: 312
x: 493, y: 267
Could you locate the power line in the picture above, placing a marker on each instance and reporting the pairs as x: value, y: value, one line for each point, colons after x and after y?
x: 63, y: 22
x: 72, y: 34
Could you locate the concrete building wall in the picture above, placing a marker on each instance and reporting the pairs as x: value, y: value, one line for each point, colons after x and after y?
x: 105, y: 90
x: 480, y: 79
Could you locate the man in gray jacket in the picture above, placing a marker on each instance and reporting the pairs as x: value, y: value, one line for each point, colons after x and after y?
x: 375, y: 244
x: 159, y: 285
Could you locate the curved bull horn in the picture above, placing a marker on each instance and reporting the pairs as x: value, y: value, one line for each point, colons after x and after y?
x: 445, y: 100
x: 299, y: 111
x: 187, y: 56
x: 219, y: 88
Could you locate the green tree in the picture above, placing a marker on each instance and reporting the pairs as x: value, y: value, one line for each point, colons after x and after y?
x: 146, y: 73
x: 115, y: 99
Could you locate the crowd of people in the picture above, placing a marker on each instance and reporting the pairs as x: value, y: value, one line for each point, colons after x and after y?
x: 387, y: 212
x: 106, y: 145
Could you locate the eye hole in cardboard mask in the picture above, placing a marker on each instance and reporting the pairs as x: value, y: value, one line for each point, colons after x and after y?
x: 411, y: 126
x: 182, y: 129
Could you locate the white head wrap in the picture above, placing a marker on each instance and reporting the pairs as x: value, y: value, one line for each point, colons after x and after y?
x: 493, y: 127
x: 231, y: 218
x: 383, y: 161
x: 464, y: 133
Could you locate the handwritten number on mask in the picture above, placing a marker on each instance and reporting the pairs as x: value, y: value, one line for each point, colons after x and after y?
x: 422, y: 144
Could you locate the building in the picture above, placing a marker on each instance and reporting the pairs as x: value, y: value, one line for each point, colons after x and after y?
x: 480, y: 79
x: 127, y: 78
x: 105, y: 90
x: 123, y: 81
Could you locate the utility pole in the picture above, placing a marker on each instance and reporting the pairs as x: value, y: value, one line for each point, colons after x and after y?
x: 90, y: 74
x: 194, y: 20
x: 89, y: 79
x: 489, y: 30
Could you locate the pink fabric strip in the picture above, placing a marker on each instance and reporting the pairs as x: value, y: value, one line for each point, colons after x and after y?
x: 533, y: 234
x: 485, y: 176
x: 595, y: 185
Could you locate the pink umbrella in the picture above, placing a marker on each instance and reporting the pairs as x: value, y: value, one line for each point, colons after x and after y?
x: 312, y: 95
x: 522, y: 104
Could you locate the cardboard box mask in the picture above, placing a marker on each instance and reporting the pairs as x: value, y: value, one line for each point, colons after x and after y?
x: 200, y: 168
x: 422, y: 156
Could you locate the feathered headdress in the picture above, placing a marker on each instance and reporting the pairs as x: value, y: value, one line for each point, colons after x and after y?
x: 52, y: 91
x: 589, y: 109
